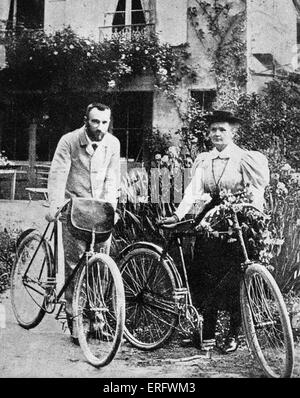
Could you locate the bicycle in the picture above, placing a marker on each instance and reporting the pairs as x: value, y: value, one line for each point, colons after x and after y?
x: 158, y: 298
x: 98, y: 300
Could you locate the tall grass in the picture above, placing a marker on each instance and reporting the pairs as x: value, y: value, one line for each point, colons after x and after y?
x: 283, y: 199
x: 138, y: 214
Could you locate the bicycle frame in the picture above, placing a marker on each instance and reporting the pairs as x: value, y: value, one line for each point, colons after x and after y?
x: 176, y: 238
x: 178, y: 241
x: 51, y: 282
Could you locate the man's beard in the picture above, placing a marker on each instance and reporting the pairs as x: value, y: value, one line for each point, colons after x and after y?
x: 94, y: 136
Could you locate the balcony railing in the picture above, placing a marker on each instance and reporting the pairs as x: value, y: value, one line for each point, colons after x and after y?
x: 18, y: 31
x: 110, y: 30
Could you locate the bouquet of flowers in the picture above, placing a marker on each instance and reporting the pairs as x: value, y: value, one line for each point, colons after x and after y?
x: 254, y: 224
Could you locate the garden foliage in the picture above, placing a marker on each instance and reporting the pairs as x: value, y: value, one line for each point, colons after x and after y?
x: 7, y: 253
x: 271, y: 125
x: 64, y: 61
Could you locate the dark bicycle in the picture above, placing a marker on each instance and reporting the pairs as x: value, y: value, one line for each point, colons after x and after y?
x: 158, y: 299
x: 98, y: 300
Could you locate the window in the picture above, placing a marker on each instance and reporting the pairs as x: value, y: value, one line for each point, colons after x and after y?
x: 204, y: 98
x: 129, y: 16
x: 132, y: 116
x: 126, y: 15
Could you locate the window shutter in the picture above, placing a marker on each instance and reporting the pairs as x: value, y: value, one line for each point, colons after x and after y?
x: 171, y: 24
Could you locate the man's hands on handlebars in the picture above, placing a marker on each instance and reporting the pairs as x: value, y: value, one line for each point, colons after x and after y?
x: 54, y: 212
x: 51, y: 215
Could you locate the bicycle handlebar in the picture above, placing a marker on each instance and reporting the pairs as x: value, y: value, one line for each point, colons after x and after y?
x: 61, y: 209
x: 242, y: 205
x: 176, y: 224
x: 210, y: 212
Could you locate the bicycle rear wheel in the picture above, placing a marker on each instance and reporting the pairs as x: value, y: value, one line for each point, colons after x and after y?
x: 32, y: 268
x: 266, y: 322
x: 149, y: 286
x: 99, y: 309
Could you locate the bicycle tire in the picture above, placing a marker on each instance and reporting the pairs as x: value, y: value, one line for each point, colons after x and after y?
x: 266, y: 322
x: 99, y: 309
x: 28, y: 295
x: 149, y: 285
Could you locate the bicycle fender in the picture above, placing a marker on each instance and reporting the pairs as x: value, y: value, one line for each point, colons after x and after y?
x: 159, y: 250
x: 23, y: 235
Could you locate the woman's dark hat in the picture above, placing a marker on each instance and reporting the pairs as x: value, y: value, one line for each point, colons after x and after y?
x: 221, y: 116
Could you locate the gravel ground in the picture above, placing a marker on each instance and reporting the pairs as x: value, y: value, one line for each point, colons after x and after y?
x: 47, y: 352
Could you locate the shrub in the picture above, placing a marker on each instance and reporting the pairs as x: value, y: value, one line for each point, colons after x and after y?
x: 283, y: 199
x: 65, y: 61
x: 280, y: 248
x: 8, y: 240
x: 272, y: 122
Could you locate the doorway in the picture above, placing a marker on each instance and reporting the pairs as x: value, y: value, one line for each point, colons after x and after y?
x: 132, y: 116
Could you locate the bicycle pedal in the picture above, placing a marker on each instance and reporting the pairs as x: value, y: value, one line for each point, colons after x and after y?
x: 208, y: 345
x: 51, y: 282
x: 61, y: 314
x: 187, y: 342
x: 180, y: 294
x: 180, y: 291
x: 64, y: 326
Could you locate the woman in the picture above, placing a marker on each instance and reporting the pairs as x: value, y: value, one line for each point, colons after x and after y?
x: 226, y: 167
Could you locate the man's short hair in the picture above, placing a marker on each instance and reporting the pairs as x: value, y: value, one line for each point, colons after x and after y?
x: 97, y: 105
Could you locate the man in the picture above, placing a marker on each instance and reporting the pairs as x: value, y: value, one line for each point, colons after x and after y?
x: 86, y: 164
x: 226, y: 167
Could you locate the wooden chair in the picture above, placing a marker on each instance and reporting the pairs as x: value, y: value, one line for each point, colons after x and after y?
x: 41, y: 181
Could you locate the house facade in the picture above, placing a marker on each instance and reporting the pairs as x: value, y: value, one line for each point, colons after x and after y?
x: 270, y: 33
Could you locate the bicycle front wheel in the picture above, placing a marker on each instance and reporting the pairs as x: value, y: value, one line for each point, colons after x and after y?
x: 266, y: 322
x: 99, y: 309
x: 149, y: 286
x: 32, y: 267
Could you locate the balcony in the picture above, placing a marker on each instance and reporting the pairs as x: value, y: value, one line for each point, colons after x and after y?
x: 123, y: 23
x: 18, y: 31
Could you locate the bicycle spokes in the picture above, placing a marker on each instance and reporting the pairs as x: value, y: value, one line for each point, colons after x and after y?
x: 150, y: 304
x: 266, y: 322
x: 31, y: 275
x: 97, y: 302
x: 266, y: 317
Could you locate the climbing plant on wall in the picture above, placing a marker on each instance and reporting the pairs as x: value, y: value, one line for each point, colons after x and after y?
x: 65, y: 61
x: 220, y: 27
x: 47, y: 66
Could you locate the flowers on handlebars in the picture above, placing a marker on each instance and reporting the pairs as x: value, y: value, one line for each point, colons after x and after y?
x: 218, y: 223
x: 230, y: 198
x: 281, y: 189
